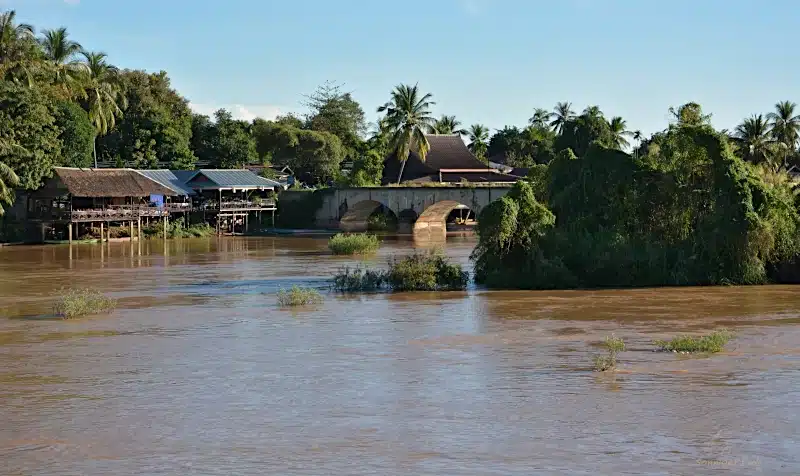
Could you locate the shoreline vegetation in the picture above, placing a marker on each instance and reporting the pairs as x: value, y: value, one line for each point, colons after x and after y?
x: 353, y: 243
x: 602, y: 205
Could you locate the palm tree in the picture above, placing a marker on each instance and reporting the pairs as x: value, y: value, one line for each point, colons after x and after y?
x: 562, y: 114
x: 593, y: 111
x: 540, y: 118
x: 754, y: 140
x: 637, y: 136
x: 104, y: 96
x: 16, y: 41
x: 61, y: 52
x: 478, y: 140
x: 11, y: 33
x: 407, y: 119
x: 619, y: 132
x: 447, y: 125
x: 785, y: 127
x: 8, y: 180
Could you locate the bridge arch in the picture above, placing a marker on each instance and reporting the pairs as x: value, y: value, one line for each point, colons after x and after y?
x: 357, y: 217
x: 434, y: 218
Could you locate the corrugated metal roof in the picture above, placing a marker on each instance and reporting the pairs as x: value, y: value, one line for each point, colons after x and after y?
x: 236, y: 178
x: 175, y: 180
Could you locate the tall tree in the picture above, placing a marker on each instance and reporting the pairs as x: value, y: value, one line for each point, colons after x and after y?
x: 690, y: 114
x: 28, y: 133
x: 104, y: 97
x: 77, y: 135
x: 231, y: 141
x: 593, y: 111
x: 333, y: 110
x: 478, y: 140
x: 586, y: 129
x: 156, y: 127
x: 18, y: 49
x: 62, y: 53
x: 785, y: 128
x: 408, y: 117
x: 540, y: 118
x: 447, y: 125
x: 755, y: 142
x: 562, y: 114
x: 619, y: 133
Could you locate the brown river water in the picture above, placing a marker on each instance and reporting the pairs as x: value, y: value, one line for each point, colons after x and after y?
x: 199, y: 372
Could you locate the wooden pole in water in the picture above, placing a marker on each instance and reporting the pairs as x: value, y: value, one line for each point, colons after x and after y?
x: 69, y: 233
x: 101, y: 232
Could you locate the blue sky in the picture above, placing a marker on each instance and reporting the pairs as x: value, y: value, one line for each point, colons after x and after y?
x: 485, y: 61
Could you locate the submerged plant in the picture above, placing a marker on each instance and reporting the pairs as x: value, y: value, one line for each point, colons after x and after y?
x: 298, y: 296
x: 711, y: 343
x: 74, y: 303
x: 613, y: 345
x: 353, y: 244
x: 426, y: 272
x: 358, y: 280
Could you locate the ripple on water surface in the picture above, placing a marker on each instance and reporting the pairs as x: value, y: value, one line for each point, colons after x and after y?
x: 198, y: 371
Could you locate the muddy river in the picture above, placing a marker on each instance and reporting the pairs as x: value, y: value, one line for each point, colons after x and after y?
x: 199, y: 372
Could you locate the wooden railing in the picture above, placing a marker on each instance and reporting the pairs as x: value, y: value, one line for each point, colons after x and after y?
x: 118, y: 212
x: 239, y: 205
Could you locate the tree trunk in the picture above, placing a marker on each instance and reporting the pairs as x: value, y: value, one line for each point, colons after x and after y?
x: 94, y: 150
x: 402, y: 167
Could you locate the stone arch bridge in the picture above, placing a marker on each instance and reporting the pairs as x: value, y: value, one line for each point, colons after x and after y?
x: 426, y: 207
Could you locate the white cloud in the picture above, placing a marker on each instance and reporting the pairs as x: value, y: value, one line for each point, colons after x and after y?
x: 244, y: 112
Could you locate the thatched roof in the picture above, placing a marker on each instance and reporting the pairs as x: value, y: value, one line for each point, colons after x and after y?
x: 109, y: 183
x: 447, y: 152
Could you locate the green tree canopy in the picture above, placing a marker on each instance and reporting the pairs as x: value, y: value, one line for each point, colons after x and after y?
x: 76, y: 135
x: 156, y: 125
x: 29, y: 133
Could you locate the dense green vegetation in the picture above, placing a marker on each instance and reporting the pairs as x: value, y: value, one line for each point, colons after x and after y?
x: 74, y: 303
x: 353, y: 244
x: 603, y: 205
x: 418, y: 272
x: 711, y: 343
x: 682, y: 209
x: 298, y: 296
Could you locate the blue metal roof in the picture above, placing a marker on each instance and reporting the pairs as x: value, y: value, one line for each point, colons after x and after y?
x: 235, y: 178
x: 175, y: 180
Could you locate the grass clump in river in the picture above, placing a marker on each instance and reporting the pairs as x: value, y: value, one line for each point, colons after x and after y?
x: 298, y: 296
x: 711, y: 343
x: 353, y: 244
x: 82, y: 302
x: 613, y: 346
x: 358, y: 280
x: 418, y: 272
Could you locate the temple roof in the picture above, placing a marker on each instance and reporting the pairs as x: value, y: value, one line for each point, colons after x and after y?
x: 447, y: 153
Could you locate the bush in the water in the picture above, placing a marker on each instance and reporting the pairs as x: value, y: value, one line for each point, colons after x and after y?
x: 418, y: 272
x: 82, y: 302
x: 358, y: 280
x: 298, y: 296
x: 426, y: 272
x: 613, y: 346
x: 712, y: 343
x: 352, y: 244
